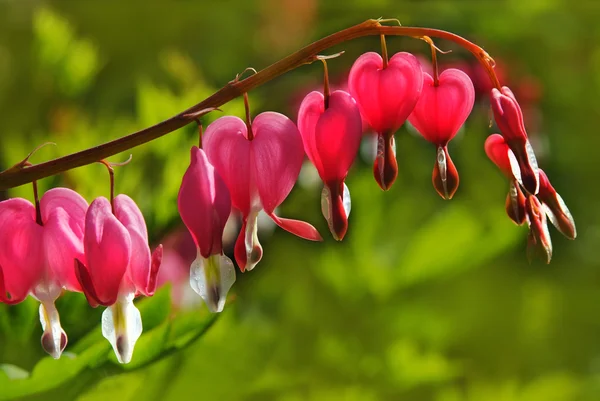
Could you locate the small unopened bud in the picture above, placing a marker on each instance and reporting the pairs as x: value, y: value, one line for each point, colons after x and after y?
x: 538, y: 240
x: 556, y: 209
x: 515, y: 204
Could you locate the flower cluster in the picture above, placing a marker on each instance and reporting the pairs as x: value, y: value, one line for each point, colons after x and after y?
x: 531, y: 197
x: 250, y: 166
x: 62, y: 244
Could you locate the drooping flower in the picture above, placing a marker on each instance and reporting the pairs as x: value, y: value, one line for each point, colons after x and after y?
x: 440, y: 112
x: 386, y: 96
x: 331, y: 137
x: 538, y: 239
x: 556, y: 208
x: 259, y: 169
x: 118, y: 267
x: 37, y: 253
x: 531, y: 208
x: 498, y: 152
x: 509, y: 118
x: 204, y: 205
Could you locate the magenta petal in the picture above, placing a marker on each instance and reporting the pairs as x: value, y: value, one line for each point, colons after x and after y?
x: 87, y: 285
x: 297, y: 227
x: 277, y: 157
x: 139, y: 263
x: 69, y: 201
x: 157, y: 256
x: 21, y: 250
x: 204, y: 204
x: 443, y: 109
x: 228, y: 150
x: 130, y: 215
x: 62, y: 246
x: 108, y: 246
x: 311, y: 108
x: 337, y: 136
x: 497, y: 151
x: 5, y: 296
x: 387, y: 96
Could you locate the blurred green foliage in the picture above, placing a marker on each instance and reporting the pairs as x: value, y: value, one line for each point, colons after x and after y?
x: 424, y: 299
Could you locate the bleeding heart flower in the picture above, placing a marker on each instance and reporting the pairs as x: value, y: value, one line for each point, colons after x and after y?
x: 440, y: 112
x: 37, y: 257
x: 118, y: 268
x: 498, y: 152
x: 331, y: 139
x: 555, y: 207
x: 259, y: 170
x: 386, y: 97
x: 204, y: 205
x: 509, y: 118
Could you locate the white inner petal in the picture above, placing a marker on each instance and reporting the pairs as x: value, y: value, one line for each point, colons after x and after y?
x: 52, y: 337
x: 122, y: 327
x: 514, y: 166
x: 212, y: 279
x: 346, y: 200
x: 441, y: 161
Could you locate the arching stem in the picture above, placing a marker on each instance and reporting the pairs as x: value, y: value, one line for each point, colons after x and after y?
x: 384, y: 51
x: 15, y: 177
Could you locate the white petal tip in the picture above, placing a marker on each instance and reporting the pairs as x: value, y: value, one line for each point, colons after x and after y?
x: 212, y: 279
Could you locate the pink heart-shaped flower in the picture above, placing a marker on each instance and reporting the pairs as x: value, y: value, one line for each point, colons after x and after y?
x: 443, y: 109
x: 386, y: 96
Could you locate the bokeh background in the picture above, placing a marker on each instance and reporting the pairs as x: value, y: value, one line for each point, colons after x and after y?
x: 424, y: 300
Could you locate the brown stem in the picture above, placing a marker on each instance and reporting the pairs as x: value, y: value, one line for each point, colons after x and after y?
x: 36, y: 198
x: 326, y: 91
x: 248, y: 118
x: 384, y: 52
x: 12, y: 178
x: 111, y: 175
x: 434, y: 63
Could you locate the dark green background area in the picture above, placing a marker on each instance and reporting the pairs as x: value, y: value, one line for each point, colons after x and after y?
x: 424, y: 300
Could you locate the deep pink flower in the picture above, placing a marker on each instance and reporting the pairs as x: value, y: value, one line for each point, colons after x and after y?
x: 386, y: 97
x: 331, y: 140
x: 38, y: 259
x: 259, y: 173
x: 498, y: 152
x: 509, y: 118
x: 119, y: 266
x: 440, y: 112
x: 555, y: 207
x: 204, y: 205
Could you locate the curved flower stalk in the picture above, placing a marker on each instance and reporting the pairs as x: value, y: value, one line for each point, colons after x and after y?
x: 444, y: 106
x: 386, y: 93
x: 204, y: 206
x: 37, y: 254
x: 118, y: 267
x: 259, y: 163
x: 331, y: 135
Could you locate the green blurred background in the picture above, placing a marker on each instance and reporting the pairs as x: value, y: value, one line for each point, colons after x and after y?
x: 424, y: 300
